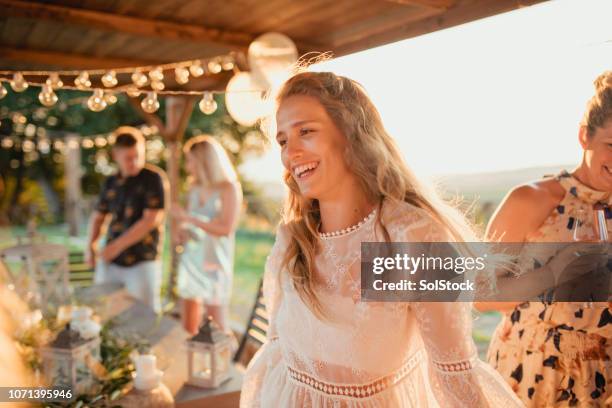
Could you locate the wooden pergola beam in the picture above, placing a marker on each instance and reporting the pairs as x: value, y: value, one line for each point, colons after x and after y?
x: 67, y: 60
x: 436, y: 4
x: 468, y: 12
x: 126, y: 24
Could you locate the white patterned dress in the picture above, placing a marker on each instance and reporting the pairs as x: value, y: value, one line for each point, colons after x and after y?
x: 367, y: 354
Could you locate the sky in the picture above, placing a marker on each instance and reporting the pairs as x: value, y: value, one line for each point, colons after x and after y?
x: 501, y: 93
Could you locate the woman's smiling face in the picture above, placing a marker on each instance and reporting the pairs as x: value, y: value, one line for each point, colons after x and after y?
x: 598, y: 157
x: 312, y: 146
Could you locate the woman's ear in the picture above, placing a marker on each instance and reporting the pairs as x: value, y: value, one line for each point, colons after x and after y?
x: 583, y: 137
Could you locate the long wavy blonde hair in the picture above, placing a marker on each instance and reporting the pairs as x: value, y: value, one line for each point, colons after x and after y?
x: 377, y: 163
x: 213, y: 163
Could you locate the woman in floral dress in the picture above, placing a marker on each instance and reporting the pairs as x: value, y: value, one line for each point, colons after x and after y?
x: 558, y: 353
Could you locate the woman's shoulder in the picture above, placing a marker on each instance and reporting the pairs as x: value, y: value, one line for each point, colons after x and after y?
x: 394, y: 212
x: 546, y: 192
x: 407, y: 221
x: 525, y: 208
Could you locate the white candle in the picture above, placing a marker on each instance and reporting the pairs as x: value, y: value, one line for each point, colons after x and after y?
x: 146, y: 365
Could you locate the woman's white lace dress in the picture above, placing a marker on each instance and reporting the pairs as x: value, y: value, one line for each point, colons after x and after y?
x: 367, y: 354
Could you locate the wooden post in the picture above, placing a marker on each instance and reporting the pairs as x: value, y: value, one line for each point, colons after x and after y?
x: 178, y: 111
x: 72, y: 174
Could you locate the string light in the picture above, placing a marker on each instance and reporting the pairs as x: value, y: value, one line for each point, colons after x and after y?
x: 208, y: 105
x: 3, y: 91
x: 157, y: 85
x: 214, y: 67
x: 46, y: 96
x: 19, y: 84
x: 109, y: 79
x: 139, y: 79
x: 156, y: 74
x: 150, y: 104
x: 55, y: 81
x: 110, y: 98
x: 96, y: 102
x: 87, y: 143
x: 227, y: 63
x: 181, y: 75
x: 82, y: 80
x: 133, y: 92
x: 196, y: 69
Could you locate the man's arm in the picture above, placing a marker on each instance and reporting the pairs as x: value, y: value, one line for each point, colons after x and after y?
x: 95, y: 230
x: 151, y: 218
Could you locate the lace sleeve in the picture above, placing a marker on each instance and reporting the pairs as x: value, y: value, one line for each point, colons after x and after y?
x: 457, y: 376
x: 272, y: 281
x: 268, y: 356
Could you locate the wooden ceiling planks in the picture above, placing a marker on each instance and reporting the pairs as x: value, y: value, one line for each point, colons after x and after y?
x: 464, y: 11
x: 377, y: 23
x: 169, y: 30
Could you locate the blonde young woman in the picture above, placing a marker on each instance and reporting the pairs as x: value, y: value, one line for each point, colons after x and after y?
x: 554, y: 353
x: 208, y: 228
x: 348, y: 184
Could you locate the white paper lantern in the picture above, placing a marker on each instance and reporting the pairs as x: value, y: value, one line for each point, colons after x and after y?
x: 271, y: 56
x: 243, y: 99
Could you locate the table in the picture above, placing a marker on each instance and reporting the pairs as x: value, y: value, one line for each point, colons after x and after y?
x: 167, y: 338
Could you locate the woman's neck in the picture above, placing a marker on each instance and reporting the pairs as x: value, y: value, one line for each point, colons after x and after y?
x: 344, y: 210
x: 581, y: 173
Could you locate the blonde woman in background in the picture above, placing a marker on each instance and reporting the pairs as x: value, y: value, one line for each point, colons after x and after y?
x: 348, y: 184
x: 556, y: 354
x: 207, y: 232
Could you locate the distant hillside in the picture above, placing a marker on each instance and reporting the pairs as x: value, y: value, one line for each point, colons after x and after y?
x: 493, y: 186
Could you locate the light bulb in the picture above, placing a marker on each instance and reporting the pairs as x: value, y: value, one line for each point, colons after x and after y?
x: 96, y: 101
x: 208, y: 105
x: 3, y: 91
x: 46, y: 96
x: 156, y: 74
x: 133, y: 92
x: 139, y: 79
x: 157, y: 85
x: 19, y: 84
x: 109, y: 79
x: 214, y: 66
x: 227, y: 63
x: 82, y: 80
x: 181, y: 75
x: 150, y: 104
x: 110, y: 98
x: 196, y: 69
x: 55, y: 81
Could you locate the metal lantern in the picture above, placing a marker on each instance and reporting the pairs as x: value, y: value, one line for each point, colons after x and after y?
x: 209, y: 356
x: 68, y: 361
x: 38, y: 272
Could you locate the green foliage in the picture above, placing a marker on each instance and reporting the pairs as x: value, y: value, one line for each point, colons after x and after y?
x: 32, y: 175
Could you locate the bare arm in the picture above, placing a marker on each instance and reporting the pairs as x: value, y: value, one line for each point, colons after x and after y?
x: 522, y: 212
x: 95, y: 230
x: 151, y: 218
x: 227, y: 220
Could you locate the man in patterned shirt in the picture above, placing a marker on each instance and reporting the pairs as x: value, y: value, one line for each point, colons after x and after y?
x: 133, y: 199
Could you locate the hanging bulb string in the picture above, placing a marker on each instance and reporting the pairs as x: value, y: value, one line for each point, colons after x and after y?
x: 128, y: 70
x: 125, y: 88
